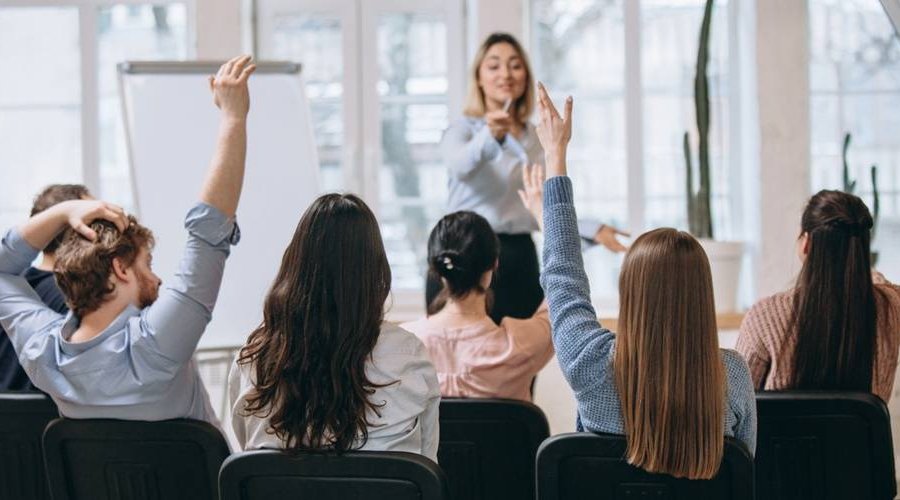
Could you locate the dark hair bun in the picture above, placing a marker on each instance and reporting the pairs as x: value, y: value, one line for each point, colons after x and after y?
x: 461, y: 248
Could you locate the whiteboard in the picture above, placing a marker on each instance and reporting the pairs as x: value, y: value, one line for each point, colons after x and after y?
x: 171, y: 125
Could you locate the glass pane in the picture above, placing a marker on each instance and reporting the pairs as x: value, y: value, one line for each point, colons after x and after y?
x: 669, y: 36
x: 40, y: 105
x: 412, y: 85
x: 578, y: 49
x: 129, y: 32
x: 855, y: 88
x: 41, y: 60
x: 315, y: 41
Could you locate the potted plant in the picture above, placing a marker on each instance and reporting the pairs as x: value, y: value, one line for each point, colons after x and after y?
x: 850, y: 187
x: 724, y: 256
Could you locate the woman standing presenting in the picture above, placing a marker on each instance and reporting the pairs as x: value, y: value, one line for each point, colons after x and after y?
x: 484, y: 152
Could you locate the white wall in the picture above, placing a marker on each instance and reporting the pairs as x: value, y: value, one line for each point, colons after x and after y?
x: 782, y: 57
x: 219, y: 29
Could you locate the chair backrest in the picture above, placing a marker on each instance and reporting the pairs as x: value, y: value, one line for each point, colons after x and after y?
x: 126, y: 460
x: 823, y: 445
x: 488, y: 447
x: 586, y: 465
x: 360, y: 475
x: 23, y: 417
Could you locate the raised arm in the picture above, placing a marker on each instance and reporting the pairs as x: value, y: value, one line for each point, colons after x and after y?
x: 222, y: 187
x: 180, y: 315
x: 22, y: 313
x: 583, y: 347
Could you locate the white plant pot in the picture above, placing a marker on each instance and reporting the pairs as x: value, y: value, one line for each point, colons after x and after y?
x: 725, y: 262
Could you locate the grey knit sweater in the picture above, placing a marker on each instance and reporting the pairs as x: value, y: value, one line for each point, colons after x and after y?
x: 586, y: 350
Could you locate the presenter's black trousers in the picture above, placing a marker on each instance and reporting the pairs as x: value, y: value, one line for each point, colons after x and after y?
x: 516, y: 284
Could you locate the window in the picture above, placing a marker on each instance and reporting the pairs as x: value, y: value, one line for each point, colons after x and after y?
x: 855, y: 88
x: 129, y: 32
x: 633, y: 170
x: 378, y: 77
x: 60, y: 119
x: 40, y: 105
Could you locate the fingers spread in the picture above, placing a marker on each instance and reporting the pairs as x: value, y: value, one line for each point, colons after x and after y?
x: 568, y: 111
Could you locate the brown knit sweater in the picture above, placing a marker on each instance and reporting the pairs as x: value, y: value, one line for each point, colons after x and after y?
x: 768, y: 345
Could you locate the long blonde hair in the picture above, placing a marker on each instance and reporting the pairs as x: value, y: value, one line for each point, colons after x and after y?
x: 475, y: 106
x: 668, y: 367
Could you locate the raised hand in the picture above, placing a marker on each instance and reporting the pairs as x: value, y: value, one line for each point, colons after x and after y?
x: 608, y: 237
x: 554, y: 132
x: 81, y: 213
x: 499, y: 122
x: 533, y: 194
x: 229, y: 87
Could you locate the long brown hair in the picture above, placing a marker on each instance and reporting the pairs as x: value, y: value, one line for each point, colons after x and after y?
x: 668, y: 367
x: 475, y: 106
x: 321, y: 320
x: 834, y: 314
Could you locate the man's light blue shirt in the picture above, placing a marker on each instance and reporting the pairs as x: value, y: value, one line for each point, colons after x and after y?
x: 140, y: 367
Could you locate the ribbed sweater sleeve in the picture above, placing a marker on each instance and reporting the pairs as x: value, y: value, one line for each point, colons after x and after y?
x: 583, y: 347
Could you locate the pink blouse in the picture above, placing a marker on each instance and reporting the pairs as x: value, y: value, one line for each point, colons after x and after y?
x: 484, y: 360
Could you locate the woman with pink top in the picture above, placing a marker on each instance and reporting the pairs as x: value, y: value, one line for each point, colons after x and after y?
x: 474, y: 356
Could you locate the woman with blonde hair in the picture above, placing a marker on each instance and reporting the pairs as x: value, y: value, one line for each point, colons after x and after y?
x: 662, y: 380
x: 484, y: 152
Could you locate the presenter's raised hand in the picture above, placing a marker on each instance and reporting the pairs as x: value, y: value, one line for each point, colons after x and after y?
x: 533, y: 194
x: 608, y: 236
x: 499, y: 122
x: 554, y: 132
x: 229, y: 87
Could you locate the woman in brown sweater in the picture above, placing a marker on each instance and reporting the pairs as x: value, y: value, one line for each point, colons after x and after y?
x: 839, y: 327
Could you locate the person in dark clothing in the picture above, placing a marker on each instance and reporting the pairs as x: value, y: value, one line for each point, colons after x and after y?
x: 42, y: 280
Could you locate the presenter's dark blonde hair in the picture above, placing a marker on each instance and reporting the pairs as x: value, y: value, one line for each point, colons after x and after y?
x: 668, y: 367
x: 475, y: 105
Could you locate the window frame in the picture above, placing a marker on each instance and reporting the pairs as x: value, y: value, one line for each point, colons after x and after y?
x: 634, y: 113
x: 362, y: 148
x: 89, y: 53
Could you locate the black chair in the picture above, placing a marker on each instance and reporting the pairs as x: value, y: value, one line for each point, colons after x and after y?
x: 125, y: 460
x: 360, y: 475
x: 584, y: 465
x: 23, y: 417
x: 488, y: 447
x: 823, y: 445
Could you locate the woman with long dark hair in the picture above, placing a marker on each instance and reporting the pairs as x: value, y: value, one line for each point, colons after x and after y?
x: 839, y: 328
x: 323, y: 371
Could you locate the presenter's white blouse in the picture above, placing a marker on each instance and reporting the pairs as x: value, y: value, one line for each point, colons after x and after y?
x: 484, y: 176
x: 409, y: 417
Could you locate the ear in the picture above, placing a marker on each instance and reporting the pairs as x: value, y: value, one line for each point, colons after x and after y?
x: 120, y: 271
x: 804, y: 243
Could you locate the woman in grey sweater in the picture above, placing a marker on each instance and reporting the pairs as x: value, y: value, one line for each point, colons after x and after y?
x: 662, y: 380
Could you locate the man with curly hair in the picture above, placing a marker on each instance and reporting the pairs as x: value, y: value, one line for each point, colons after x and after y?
x: 125, y: 349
